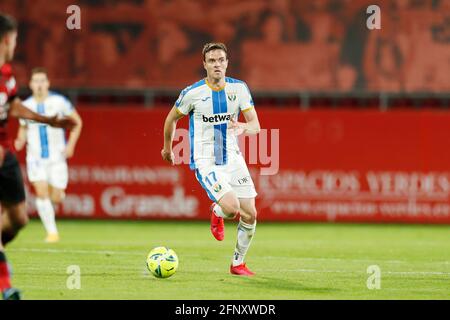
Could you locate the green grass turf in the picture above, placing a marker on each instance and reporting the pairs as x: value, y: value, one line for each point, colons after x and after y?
x: 292, y: 261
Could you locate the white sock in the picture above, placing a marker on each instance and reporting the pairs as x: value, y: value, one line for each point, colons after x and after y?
x: 47, y: 215
x: 219, y: 212
x: 244, y: 238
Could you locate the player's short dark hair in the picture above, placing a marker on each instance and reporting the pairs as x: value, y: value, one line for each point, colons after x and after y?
x: 7, y: 24
x: 39, y: 70
x: 214, y: 46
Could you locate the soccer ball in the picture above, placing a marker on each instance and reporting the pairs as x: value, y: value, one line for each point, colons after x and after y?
x: 162, y: 262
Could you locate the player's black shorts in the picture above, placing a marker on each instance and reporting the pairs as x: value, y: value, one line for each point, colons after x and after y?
x: 12, y: 190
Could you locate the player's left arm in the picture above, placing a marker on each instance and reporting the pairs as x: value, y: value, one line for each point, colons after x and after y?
x: 74, y: 134
x: 246, y: 105
x: 251, y: 126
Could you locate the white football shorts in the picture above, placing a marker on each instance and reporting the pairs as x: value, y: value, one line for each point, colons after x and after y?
x: 54, y: 172
x: 217, y: 180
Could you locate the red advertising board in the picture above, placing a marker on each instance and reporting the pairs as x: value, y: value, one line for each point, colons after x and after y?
x: 366, y: 166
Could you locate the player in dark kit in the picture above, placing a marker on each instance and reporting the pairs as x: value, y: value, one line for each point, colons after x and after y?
x: 13, y: 216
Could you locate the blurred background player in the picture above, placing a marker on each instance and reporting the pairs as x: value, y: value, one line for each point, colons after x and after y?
x: 47, y: 150
x: 213, y: 105
x: 12, y: 194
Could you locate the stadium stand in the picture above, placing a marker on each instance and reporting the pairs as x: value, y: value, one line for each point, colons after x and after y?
x: 324, y: 44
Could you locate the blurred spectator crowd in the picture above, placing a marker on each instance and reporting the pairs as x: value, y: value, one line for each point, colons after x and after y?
x: 320, y: 45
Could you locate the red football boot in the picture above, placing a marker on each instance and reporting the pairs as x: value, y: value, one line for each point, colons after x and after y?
x: 217, y: 225
x: 241, y: 270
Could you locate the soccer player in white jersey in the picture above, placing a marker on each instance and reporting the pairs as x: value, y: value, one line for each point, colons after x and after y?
x: 213, y: 105
x: 47, y: 149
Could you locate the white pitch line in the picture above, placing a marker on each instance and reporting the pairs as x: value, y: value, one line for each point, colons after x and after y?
x: 76, y: 251
x: 335, y: 259
x: 383, y: 272
x: 101, y: 252
x: 418, y: 272
x: 349, y: 260
x: 138, y: 253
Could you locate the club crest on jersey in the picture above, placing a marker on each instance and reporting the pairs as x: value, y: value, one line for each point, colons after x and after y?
x: 232, y: 97
x: 217, y: 187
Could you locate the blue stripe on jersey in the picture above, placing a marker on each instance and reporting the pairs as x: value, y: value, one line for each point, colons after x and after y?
x: 191, y: 139
x: 223, y: 126
x: 187, y: 89
x: 220, y: 130
x: 200, y: 179
x: 43, y: 133
x: 64, y: 137
x: 232, y: 80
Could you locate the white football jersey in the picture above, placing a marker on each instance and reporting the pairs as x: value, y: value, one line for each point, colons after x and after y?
x: 44, y: 141
x: 210, y: 111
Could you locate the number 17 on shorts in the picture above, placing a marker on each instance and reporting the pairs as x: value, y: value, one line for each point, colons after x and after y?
x: 215, y: 184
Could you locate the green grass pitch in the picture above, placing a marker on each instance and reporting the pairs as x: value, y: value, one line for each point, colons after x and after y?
x: 292, y: 261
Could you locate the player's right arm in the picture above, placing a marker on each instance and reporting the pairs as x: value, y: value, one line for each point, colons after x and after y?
x: 181, y: 108
x: 18, y: 110
x: 21, y: 139
x: 169, y: 132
